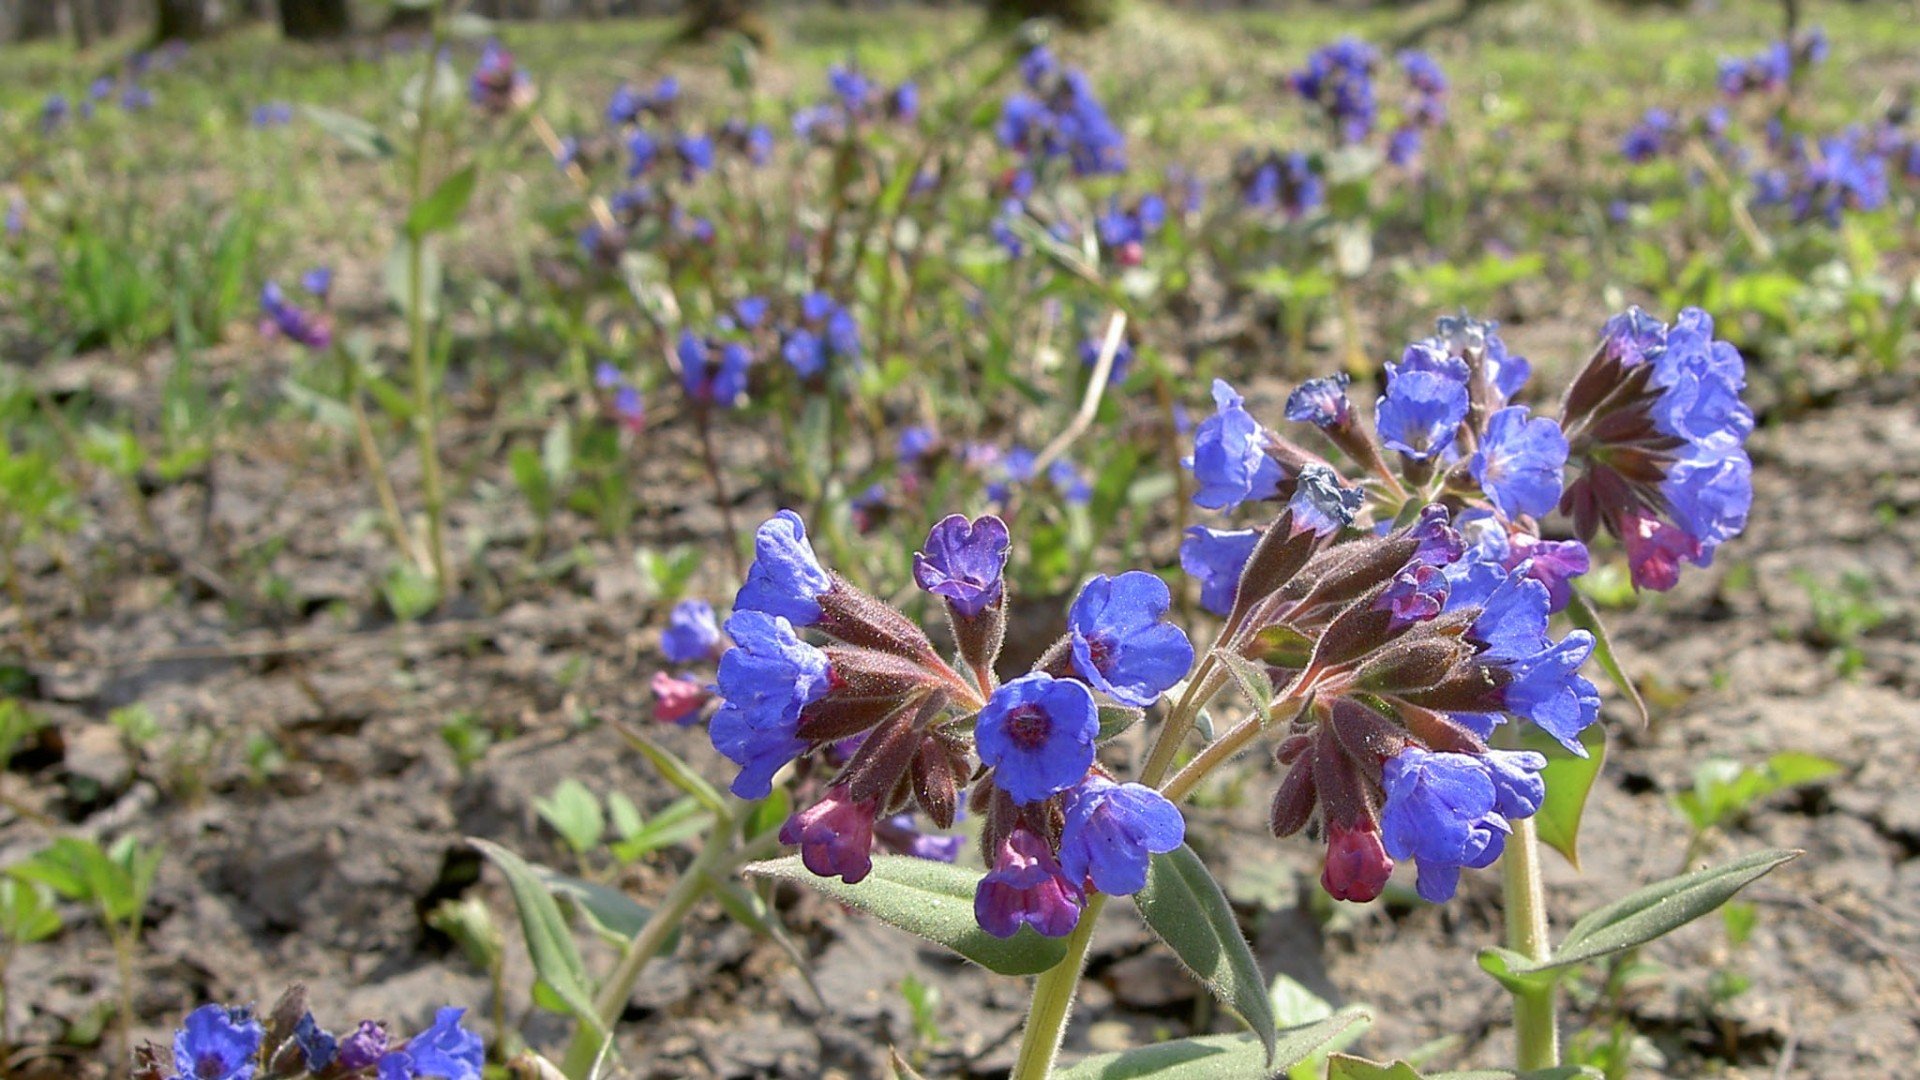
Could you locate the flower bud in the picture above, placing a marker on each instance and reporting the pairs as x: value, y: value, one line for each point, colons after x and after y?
x: 1412, y: 663
x: 861, y: 620
x: 938, y: 767
x: 882, y: 760
x: 1293, y: 802
x: 1357, y: 865
x: 1365, y: 735
x: 835, y: 835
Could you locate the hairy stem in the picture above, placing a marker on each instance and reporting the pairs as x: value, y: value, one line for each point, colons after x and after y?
x: 1053, y: 994
x: 1535, y: 1032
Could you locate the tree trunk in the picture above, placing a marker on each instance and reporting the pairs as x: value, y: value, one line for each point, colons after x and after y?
x: 86, y: 26
x: 313, y: 20
x: 180, y: 20
x: 711, y: 18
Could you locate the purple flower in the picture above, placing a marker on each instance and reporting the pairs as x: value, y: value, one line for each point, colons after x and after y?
x: 1229, y: 455
x: 1539, y: 680
x: 1215, y: 557
x: 1122, y: 358
x: 1425, y: 402
x: 1655, y: 134
x: 900, y: 833
x: 691, y: 634
x: 1458, y: 335
x: 1339, y: 77
x: 217, y: 1043
x: 1111, y: 831
x: 1520, y: 461
x: 318, y: 1047
x: 964, y: 562
x: 707, y: 380
x: 915, y: 442
x: 290, y: 321
x: 362, y: 1048
x: 1037, y: 734
x: 1321, y: 402
x: 1440, y: 812
x: 786, y: 578
x: 1026, y: 886
x: 1285, y: 182
x: 835, y: 835
x: 765, y: 679
x: 496, y: 82
x: 1496, y: 548
x: 1321, y: 502
x: 1067, y: 480
x: 445, y: 1051
x: 1121, y: 643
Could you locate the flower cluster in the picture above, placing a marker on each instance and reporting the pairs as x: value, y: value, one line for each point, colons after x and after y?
x: 498, y: 85
x: 1288, y: 183
x: 1774, y: 67
x: 854, y: 100
x: 626, y: 404
x: 1339, y: 79
x: 220, y: 1042
x: 1055, y: 825
x: 1407, y: 614
x: 1060, y: 118
x: 825, y: 331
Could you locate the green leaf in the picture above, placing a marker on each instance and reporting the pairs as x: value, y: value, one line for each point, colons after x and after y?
x: 677, y: 772
x: 930, y: 900
x: 1251, y: 677
x: 1186, y: 908
x: 1584, y: 617
x: 611, y: 913
x: 1283, y: 646
x: 442, y: 207
x: 1643, y: 915
x: 1569, y: 781
x: 1346, y: 1067
x: 352, y: 132
x: 555, y: 957
x: 1216, y: 1057
x: 399, y: 282
x: 574, y: 812
x: 1115, y: 719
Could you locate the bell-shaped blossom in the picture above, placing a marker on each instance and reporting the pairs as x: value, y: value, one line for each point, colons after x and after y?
x: 835, y: 835
x: 1121, y: 643
x: 1112, y: 831
x: 1214, y: 558
x: 964, y: 563
x: 1440, y: 813
x: 1230, y: 459
x: 765, y: 680
x: 217, y: 1043
x: 691, y: 635
x: 786, y: 578
x: 1037, y: 734
x: 1027, y: 887
x: 1520, y: 462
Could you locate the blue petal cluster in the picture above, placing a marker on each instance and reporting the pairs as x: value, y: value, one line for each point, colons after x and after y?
x: 1120, y: 640
x: 1112, y: 831
x: 786, y: 578
x: 766, y: 680
x: 1037, y: 734
x: 1230, y: 459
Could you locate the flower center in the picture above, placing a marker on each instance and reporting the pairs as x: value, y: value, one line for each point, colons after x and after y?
x: 210, y: 1067
x: 1028, y: 726
x: 1100, y: 650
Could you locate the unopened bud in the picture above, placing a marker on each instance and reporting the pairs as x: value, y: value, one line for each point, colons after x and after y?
x: 1293, y: 801
x: 862, y: 620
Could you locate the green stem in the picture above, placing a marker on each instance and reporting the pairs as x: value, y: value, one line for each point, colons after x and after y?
x: 714, y: 862
x: 419, y: 361
x: 1053, y: 995
x: 1536, y: 1034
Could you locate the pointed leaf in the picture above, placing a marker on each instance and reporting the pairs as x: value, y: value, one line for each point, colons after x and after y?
x: 1569, y: 781
x: 549, y: 942
x: 1186, y: 908
x: 930, y: 900
x: 354, y: 133
x: 441, y: 208
x: 1584, y: 617
x: 1347, y: 1067
x: 1217, y: 1057
x: 677, y: 772
x: 1115, y: 719
x: 1658, y: 909
x: 613, y: 914
x: 1251, y: 677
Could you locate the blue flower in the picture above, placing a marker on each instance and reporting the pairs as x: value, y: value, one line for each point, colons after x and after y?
x: 964, y: 562
x: 1520, y: 461
x: 1539, y: 679
x: 914, y: 442
x: 1229, y: 455
x: 1655, y: 134
x: 1518, y: 789
x: 445, y: 1051
x: 1037, y: 733
x: 1215, y: 557
x: 1321, y: 402
x: 1440, y: 813
x: 1111, y: 831
x: 1026, y: 887
x: 786, y: 578
x: 362, y: 1048
x: 691, y: 634
x: 1066, y: 480
x: 318, y: 1047
x: 1340, y: 78
x: 1321, y: 502
x: 710, y: 381
x: 766, y: 680
x: 1122, y: 358
x: 217, y: 1043
x: 1425, y: 402
x: 1121, y: 643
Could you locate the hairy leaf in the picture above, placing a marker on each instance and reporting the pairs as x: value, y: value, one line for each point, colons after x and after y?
x: 1187, y: 909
